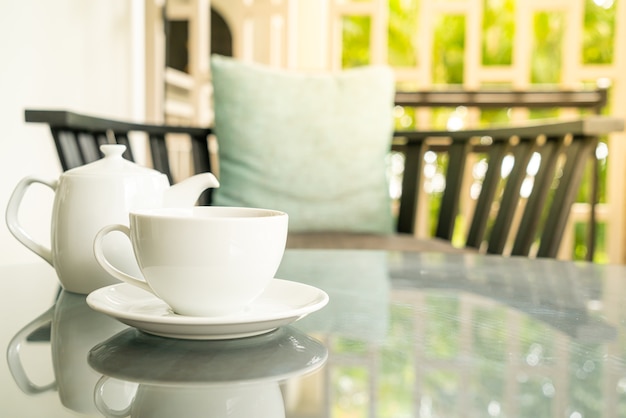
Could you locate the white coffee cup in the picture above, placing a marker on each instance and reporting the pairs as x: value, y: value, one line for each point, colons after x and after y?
x: 205, y: 260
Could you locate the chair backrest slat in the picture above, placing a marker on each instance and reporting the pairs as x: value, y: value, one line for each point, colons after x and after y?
x: 78, y: 138
x: 411, y: 180
x: 488, y: 189
x: 68, y: 150
x: 202, y: 163
x: 160, y: 156
x: 533, y: 212
x: 89, y: 145
x: 122, y: 138
x: 577, y: 155
x: 522, y: 153
x: 457, y: 157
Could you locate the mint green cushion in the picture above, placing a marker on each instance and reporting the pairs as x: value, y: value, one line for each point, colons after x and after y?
x: 312, y: 145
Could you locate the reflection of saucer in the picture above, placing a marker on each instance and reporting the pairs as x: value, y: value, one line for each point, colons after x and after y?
x: 141, y: 358
x: 281, y: 303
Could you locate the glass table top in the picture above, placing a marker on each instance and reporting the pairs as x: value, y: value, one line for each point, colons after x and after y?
x: 403, y: 335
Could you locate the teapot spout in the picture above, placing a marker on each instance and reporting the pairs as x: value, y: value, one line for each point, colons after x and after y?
x: 187, y: 192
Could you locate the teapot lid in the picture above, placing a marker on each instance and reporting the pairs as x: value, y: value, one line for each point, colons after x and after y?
x: 112, y: 164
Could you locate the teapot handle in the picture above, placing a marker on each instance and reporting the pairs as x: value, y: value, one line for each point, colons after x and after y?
x: 13, y: 355
x: 12, y: 219
x: 98, y: 251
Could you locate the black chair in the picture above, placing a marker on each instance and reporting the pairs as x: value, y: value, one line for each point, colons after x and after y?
x: 573, y: 142
x: 565, y: 149
x: 78, y: 137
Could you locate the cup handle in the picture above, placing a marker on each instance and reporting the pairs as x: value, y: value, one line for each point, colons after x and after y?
x: 12, y: 219
x: 13, y: 355
x: 98, y: 400
x: 108, y: 267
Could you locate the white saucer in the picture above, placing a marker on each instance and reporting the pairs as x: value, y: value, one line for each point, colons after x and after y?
x: 281, y: 303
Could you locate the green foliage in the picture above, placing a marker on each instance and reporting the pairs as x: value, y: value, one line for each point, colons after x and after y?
x: 356, y: 41
x: 498, y: 32
x: 402, y: 30
x: 348, y: 345
x: 449, y: 46
x: 536, y: 340
x: 441, y: 387
x: 546, y: 57
x: 488, y: 331
x: 442, y: 331
x: 598, y: 32
x: 349, y: 391
x: 581, y: 231
x: 495, y: 116
x: 536, y: 396
x: 397, y: 366
x: 585, y: 377
x: 498, y: 35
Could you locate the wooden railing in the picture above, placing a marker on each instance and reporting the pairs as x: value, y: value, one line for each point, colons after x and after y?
x: 592, y: 99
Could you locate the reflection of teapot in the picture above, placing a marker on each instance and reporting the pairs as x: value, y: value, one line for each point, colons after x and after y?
x: 94, y: 195
x: 234, y: 378
x: 75, y: 329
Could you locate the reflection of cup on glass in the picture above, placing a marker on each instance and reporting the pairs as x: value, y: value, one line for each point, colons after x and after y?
x: 261, y: 400
x: 203, y: 378
x: 75, y: 329
x: 203, y: 261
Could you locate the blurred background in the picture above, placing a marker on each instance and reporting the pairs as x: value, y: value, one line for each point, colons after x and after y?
x: 148, y: 60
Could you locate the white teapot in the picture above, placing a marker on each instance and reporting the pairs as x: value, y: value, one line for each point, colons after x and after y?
x: 94, y: 195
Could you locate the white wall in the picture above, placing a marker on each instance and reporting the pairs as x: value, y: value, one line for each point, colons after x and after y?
x: 80, y: 55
